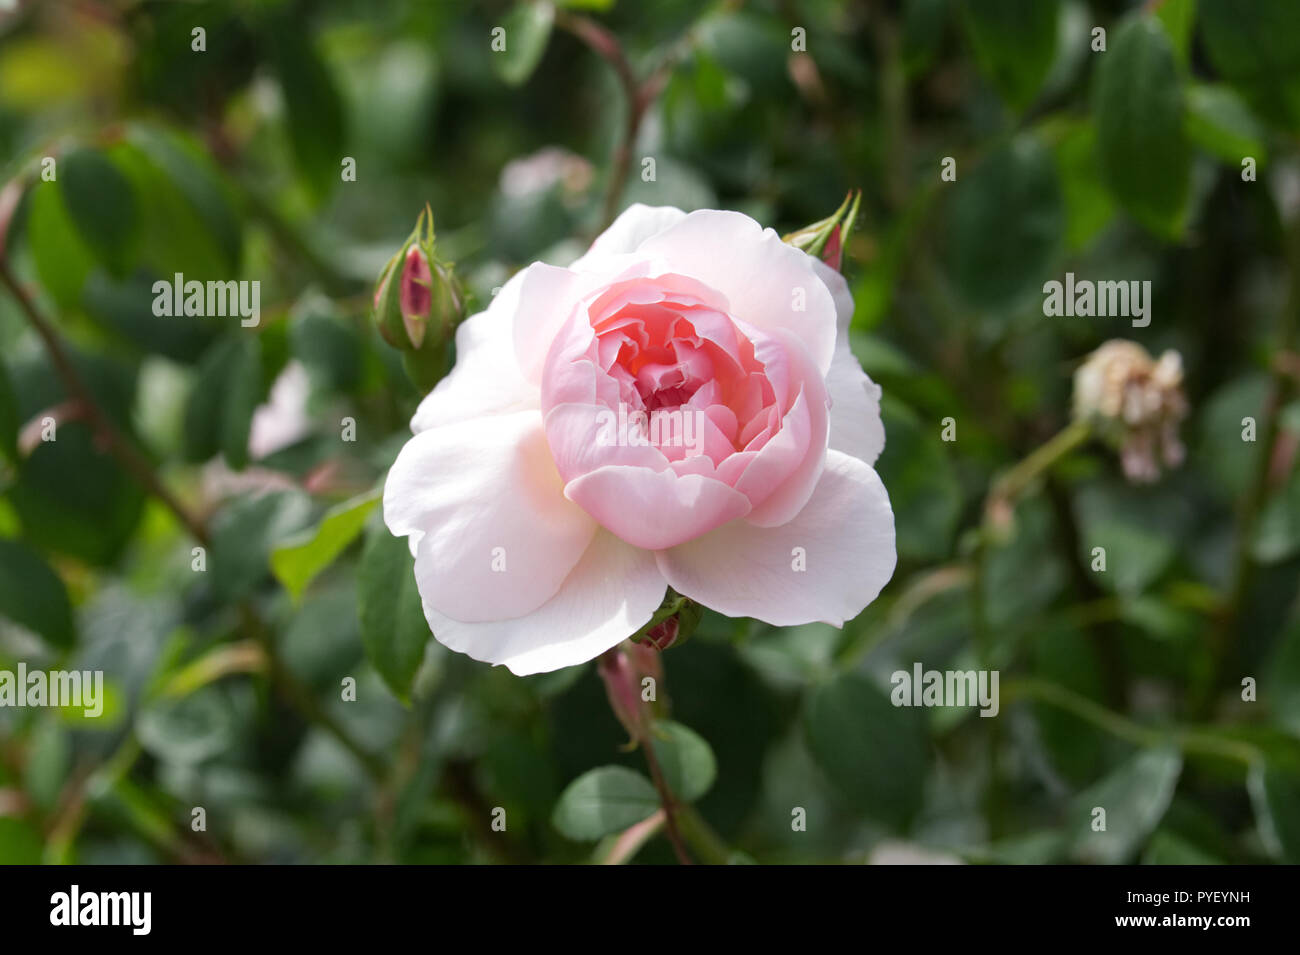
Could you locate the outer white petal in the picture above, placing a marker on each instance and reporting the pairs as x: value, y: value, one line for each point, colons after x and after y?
x: 486, y: 379
x: 856, y: 427
x: 612, y: 592
x: 767, y: 283
x: 846, y: 532
x: 636, y: 224
x: 478, y: 493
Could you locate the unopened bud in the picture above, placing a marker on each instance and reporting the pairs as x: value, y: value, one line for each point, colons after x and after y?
x: 418, y: 304
x: 826, y: 239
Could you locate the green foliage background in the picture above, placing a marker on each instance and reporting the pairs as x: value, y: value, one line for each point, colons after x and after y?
x: 1120, y: 689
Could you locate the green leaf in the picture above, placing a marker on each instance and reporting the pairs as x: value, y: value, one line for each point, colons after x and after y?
x: 314, y: 108
x: 921, y: 482
x: 1014, y: 44
x: 102, y: 205
x: 873, y: 751
x: 1015, y: 195
x: 1141, y: 530
x: 1255, y: 46
x: 199, y: 185
x: 244, y: 533
x: 62, y: 259
x: 686, y: 759
x: 1089, y: 207
x: 9, y: 420
x: 604, y: 800
x: 33, y: 595
x: 1277, y: 532
x: 188, y: 730
x: 1178, y: 17
x: 1141, y: 144
x: 393, y: 629
x: 528, y: 29
x: 298, y: 560
x: 1135, y: 797
x: 1275, y: 794
x: 1219, y: 121
x: 20, y: 842
x: 229, y: 386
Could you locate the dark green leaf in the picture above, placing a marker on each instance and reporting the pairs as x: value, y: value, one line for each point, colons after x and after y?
x: 1255, y: 46
x: 1141, y: 143
x: 1014, y: 44
x: 1135, y: 797
x: 314, y: 108
x: 102, y: 205
x: 33, y: 595
x: 1275, y: 795
x: 1005, y: 221
x: 393, y: 629
x: 873, y: 751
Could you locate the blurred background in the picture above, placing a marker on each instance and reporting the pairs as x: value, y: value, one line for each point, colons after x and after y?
x: 204, y: 529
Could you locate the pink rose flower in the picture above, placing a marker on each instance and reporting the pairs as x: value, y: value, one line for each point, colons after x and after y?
x: 679, y: 408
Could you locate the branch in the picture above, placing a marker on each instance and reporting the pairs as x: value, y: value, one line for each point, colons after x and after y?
x: 130, y: 457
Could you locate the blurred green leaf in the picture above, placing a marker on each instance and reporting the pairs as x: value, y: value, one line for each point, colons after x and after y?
x: 1014, y: 44
x: 244, y: 532
x: 1015, y: 195
x: 874, y: 752
x: 1135, y: 797
x: 1255, y: 46
x: 1141, y: 143
x: 9, y: 422
x: 300, y: 559
x: 228, y: 388
x: 528, y: 30
x: 1178, y: 17
x: 189, y: 729
x: 919, y: 475
x: 602, y: 801
x: 313, y: 106
x: 62, y: 259
x: 686, y: 759
x: 102, y: 205
x: 1220, y: 122
x: 1275, y: 794
x: 394, y: 631
x: 1088, y: 206
x: 20, y: 842
x: 33, y: 595
x: 1277, y: 531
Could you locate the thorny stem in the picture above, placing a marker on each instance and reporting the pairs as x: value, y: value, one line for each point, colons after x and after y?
x: 639, y: 94
x: 632, y: 714
x: 117, y: 442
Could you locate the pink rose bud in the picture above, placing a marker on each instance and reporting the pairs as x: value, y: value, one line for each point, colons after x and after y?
x: 826, y: 238
x: 418, y: 304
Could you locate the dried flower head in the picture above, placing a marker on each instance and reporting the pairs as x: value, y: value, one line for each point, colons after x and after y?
x: 1135, y: 401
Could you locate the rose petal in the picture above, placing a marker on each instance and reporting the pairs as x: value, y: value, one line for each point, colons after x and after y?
x: 636, y: 224
x: 656, y: 509
x: 478, y: 492
x: 612, y: 592
x: 846, y: 531
x: 856, y: 427
x: 486, y: 379
x: 757, y: 272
